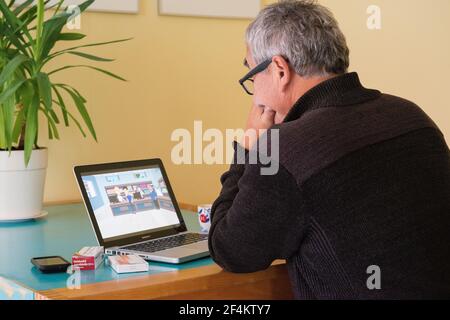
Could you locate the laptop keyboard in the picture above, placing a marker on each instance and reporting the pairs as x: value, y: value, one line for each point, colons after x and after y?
x: 168, y: 243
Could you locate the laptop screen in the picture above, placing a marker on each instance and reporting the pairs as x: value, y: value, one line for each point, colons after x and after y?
x: 130, y: 202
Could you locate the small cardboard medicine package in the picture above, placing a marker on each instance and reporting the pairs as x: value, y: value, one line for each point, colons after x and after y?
x: 88, y: 258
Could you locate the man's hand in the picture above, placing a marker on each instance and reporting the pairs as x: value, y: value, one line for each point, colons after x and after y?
x: 260, y: 119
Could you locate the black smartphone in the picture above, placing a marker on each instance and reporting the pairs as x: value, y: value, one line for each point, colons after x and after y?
x: 52, y: 264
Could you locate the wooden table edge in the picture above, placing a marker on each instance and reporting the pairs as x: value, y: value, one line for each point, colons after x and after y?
x: 208, y: 282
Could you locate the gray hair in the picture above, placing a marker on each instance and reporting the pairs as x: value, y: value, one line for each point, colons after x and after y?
x: 303, y: 32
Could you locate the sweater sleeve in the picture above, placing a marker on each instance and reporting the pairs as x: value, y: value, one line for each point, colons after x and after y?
x: 256, y: 219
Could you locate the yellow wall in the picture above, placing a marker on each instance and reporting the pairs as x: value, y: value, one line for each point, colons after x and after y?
x: 183, y: 69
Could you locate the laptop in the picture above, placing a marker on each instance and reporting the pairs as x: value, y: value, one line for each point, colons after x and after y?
x: 133, y: 210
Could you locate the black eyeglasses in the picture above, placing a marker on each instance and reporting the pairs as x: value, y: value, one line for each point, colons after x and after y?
x: 247, y: 81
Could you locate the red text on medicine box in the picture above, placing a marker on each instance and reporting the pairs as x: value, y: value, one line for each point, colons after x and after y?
x: 88, y: 258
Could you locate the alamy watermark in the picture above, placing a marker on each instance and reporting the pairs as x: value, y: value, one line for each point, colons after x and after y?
x: 374, y: 19
x: 73, y: 282
x: 74, y: 21
x: 213, y: 146
x: 374, y: 280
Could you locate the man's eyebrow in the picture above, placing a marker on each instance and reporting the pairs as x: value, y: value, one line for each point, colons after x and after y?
x: 246, y: 63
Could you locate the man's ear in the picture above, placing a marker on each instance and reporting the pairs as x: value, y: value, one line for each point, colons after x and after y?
x: 281, y: 71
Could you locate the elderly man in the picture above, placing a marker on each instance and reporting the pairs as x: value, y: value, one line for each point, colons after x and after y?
x: 360, y: 204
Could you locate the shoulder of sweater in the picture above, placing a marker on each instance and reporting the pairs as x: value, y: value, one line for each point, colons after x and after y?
x: 324, y: 135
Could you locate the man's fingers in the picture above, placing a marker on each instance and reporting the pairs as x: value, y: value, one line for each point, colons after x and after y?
x: 268, y: 112
x: 268, y: 116
x: 260, y: 119
x: 258, y: 109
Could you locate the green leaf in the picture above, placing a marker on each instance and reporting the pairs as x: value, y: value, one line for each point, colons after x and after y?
x: 30, y: 14
x: 53, y: 27
x: 55, y: 6
x: 62, y: 85
x: 22, y: 7
x: 54, y: 116
x: 60, y: 3
x: 14, y: 22
x: 62, y: 106
x: 52, y: 130
x: 11, y: 67
x: 71, y: 36
x: 45, y: 89
x: 2, y: 132
x: 51, y: 30
x: 39, y: 29
x: 90, y: 67
x: 53, y: 126
x: 50, y: 133
x: 83, y: 111
x: 20, y: 122
x: 91, y: 45
x: 17, y: 41
x: 10, y: 91
x: 73, y: 118
x: 8, y: 108
x: 27, y: 93
x: 89, y: 56
x: 31, y: 128
x: 77, y: 123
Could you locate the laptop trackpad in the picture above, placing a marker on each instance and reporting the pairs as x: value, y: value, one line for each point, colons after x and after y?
x: 185, y: 250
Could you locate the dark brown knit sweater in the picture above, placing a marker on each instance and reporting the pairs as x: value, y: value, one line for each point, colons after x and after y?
x: 363, y: 180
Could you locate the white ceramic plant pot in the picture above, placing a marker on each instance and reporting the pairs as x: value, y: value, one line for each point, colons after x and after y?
x: 22, y: 188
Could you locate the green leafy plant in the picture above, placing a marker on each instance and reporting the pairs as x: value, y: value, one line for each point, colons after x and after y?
x: 27, y: 45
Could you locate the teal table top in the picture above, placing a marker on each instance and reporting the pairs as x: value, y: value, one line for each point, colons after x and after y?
x: 63, y: 232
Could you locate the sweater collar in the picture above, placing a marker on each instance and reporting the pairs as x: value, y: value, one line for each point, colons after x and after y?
x: 342, y: 90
